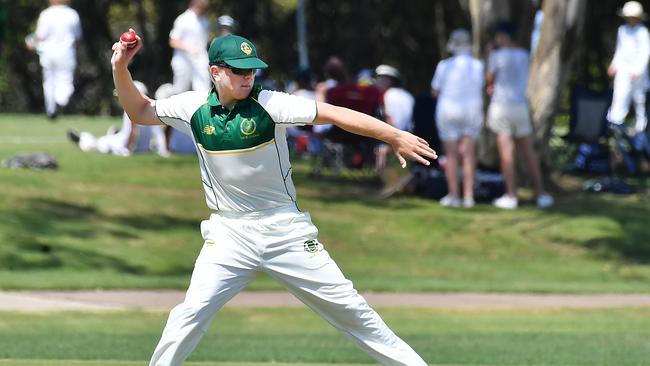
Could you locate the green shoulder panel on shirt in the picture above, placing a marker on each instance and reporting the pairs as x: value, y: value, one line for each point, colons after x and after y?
x: 248, y: 125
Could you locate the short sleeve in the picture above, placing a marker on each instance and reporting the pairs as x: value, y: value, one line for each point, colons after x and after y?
x: 436, y: 81
x: 77, y: 27
x: 177, y: 110
x: 492, y: 62
x: 42, y: 27
x: 288, y: 109
x: 176, y: 32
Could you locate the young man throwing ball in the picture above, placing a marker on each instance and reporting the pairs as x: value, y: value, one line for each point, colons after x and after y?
x: 239, y: 131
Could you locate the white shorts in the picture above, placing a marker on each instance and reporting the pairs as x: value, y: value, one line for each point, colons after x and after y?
x: 455, y: 120
x: 510, y: 118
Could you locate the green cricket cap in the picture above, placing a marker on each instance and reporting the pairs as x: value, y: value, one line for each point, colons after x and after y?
x: 235, y: 51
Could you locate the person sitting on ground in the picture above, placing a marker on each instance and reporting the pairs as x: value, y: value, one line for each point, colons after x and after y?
x: 129, y: 139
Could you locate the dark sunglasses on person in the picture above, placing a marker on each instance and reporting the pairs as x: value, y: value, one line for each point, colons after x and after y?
x: 236, y: 71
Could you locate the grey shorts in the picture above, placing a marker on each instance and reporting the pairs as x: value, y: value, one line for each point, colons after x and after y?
x: 510, y: 118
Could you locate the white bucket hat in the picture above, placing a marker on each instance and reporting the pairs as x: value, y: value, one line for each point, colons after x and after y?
x: 632, y: 9
x: 459, y: 40
x: 386, y: 70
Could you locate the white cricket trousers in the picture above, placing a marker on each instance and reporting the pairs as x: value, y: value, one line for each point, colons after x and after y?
x: 58, y: 75
x: 283, y: 244
x: 626, y: 90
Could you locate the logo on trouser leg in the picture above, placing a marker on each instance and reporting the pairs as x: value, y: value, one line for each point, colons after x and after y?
x: 313, y: 246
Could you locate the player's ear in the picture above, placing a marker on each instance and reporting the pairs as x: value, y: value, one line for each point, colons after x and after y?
x: 214, y: 73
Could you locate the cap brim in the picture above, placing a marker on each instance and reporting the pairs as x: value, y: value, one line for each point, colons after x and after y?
x: 247, y: 63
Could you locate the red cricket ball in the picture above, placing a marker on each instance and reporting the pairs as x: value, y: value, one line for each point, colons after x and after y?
x: 128, y: 38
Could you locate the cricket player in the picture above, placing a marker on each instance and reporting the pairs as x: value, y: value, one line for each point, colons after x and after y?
x: 189, y: 38
x: 57, y: 31
x: 256, y: 225
x: 629, y: 67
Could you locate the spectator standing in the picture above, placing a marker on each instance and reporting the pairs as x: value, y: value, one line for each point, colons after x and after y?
x: 189, y: 38
x: 397, y: 105
x: 508, y: 115
x: 57, y: 32
x: 458, y: 86
x: 629, y: 67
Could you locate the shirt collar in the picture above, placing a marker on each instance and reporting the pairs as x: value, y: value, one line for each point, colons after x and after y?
x: 213, y: 98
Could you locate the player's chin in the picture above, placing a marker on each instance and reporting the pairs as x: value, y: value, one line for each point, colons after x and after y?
x: 244, y: 90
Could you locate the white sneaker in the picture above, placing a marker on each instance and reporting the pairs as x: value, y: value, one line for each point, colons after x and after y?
x: 506, y: 202
x: 450, y: 201
x: 545, y: 200
x: 468, y: 202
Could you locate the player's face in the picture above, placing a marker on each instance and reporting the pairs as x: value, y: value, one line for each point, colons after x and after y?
x: 233, y: 83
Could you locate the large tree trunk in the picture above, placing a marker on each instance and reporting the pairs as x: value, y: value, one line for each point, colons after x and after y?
x: 551, y: 65
x: 486, y: 14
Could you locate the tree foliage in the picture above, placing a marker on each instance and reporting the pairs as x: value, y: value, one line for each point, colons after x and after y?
x: 409, y: 35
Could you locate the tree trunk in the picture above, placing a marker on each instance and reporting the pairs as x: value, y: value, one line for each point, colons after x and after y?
x: 551, y: 65
x: 485, y: 14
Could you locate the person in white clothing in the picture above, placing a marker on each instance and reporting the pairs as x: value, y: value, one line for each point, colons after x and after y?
x: 255, y: 226
x: 130, y: 138
x: 458, y: 86
x: 189, y: 38
x: 508, y: 115
x: 397, y: 104
x: 225, y: 25
x: 629, y: 67
x: 57, y: 32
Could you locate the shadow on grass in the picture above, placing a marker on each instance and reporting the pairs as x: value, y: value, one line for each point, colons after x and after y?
x: 38, y: 236
x: 632, y: 242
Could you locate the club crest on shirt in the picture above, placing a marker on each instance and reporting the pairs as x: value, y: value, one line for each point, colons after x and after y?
x: 208, y: 130
x: 248, y: 126
x: 246, y: 48
x: 312, y: 246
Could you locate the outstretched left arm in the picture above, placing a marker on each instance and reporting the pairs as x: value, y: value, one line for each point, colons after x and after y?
x: 404, y: 144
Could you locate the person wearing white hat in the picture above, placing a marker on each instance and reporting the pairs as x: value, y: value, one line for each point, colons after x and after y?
x: 629, y: 67
x: 397, y: 105
x: 225, y: 25
x: 458, y: 86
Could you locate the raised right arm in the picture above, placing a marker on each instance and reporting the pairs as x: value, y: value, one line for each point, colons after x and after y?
x: 139, y: 107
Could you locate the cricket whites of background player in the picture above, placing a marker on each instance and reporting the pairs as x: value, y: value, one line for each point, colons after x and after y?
x: 57, y: 31
x: 256, y: 225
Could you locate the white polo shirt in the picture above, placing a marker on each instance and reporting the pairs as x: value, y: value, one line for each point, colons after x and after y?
x: 191, y: 29
x: 510, y: 67
x: 243, y: 152
x: 632, y: 49
x: 398, y: 105
x: 459, y: 79
x: 59, y: 28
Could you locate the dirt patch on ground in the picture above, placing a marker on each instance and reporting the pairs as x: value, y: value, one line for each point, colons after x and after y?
x: 165, y: 300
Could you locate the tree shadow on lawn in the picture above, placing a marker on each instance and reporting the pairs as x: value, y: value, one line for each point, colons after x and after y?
x: 36, y: 237
x: 632, y: 217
